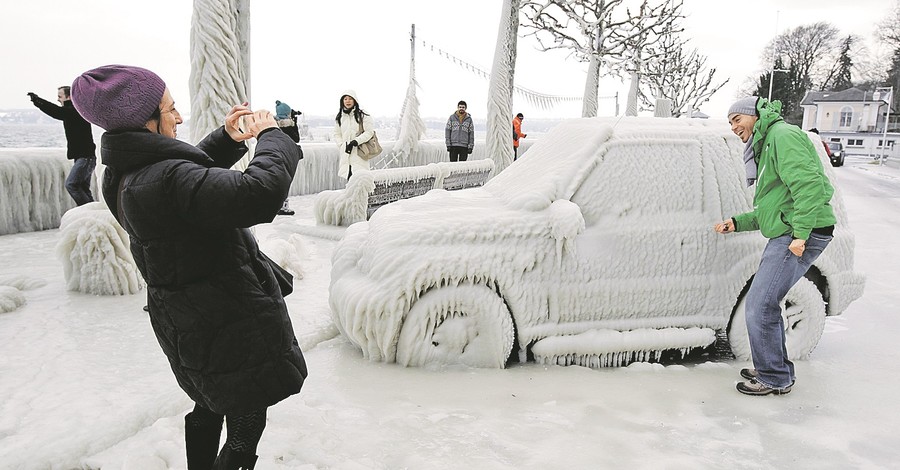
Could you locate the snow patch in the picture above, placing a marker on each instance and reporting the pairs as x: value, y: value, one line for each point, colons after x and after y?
x: 10, y: 299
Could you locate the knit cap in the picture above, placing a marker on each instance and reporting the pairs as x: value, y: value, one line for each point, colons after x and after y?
x: 117, y: 97
x: 744, y: 106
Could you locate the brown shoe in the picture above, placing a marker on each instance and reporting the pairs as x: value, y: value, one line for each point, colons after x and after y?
x: 752, y: 387
x: 748, y: 373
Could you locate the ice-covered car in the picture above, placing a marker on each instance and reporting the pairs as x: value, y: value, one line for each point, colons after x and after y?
x: 596, y: 248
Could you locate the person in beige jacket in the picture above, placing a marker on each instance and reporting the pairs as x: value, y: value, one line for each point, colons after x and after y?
x: 348, y: 137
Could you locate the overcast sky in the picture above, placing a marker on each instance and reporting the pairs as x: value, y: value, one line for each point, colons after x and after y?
x: 306, y: 53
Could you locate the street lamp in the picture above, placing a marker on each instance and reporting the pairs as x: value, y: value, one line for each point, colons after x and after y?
x: 888, y: 97
x: 772, y: 80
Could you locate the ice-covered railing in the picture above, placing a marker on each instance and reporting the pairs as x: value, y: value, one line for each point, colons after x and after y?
x: 33, y: 196
x: 368, y: 191
x: 33, y: 192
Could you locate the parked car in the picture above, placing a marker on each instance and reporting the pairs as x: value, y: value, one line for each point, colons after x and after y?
x: 837, y: 153
x: 596, y: 248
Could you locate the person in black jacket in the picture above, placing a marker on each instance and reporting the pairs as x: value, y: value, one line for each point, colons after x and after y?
x: 216, y: 302
x: 79, y: 143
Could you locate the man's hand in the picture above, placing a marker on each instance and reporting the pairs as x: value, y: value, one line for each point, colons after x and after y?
x: 726, y: 226
x: 469, y: 152
x: 259, y: 121
x: 233, y: 120
x: 797, y: 247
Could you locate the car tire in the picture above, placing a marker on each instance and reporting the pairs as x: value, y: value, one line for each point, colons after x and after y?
x: 803, y: 313
x: 466, y: 324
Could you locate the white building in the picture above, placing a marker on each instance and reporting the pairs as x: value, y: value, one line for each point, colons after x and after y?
x: 853, y: 117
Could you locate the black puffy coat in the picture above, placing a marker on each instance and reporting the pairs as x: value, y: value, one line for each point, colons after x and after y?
x: 216, y: 304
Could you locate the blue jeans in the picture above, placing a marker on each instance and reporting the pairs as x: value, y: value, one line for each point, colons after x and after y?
x: 779, y: 270
x: 78, y: 183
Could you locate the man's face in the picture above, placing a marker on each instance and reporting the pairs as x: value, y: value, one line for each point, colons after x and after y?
x: 61, y: 96
x: 742, y: 125
x: 461, y: 108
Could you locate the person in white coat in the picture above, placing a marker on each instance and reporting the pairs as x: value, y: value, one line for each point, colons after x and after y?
x: 347, y: 134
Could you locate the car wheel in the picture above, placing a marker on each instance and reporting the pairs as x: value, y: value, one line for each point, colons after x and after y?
x: 466, y: 324
x: 803, y: 313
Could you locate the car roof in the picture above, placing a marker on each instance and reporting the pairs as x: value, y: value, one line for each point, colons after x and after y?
x: 555, y: 166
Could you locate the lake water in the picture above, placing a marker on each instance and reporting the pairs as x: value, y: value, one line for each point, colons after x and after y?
x: 34, y: 135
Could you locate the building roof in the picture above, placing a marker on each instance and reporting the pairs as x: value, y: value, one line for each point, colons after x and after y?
x: 854, y: 95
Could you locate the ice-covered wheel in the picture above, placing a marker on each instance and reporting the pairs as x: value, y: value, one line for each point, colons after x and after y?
x: 465, y: 324
x: 804, y: 320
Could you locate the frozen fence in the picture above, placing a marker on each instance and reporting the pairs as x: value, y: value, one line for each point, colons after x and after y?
x: 33, y: 192
x: 366, y: 192
x: 33, y: 196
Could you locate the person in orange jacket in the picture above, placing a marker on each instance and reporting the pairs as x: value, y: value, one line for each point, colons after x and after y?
x: 517, y: 134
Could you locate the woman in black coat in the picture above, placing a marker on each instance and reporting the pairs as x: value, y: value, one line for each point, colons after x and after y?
x: 215, y: 300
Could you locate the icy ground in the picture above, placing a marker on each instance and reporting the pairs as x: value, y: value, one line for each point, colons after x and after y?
x: 83, y: 383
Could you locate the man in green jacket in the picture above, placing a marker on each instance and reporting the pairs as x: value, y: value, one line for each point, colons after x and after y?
x: 791, y: 208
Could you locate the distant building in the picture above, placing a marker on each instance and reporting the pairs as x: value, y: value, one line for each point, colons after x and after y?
x: 855, y: 118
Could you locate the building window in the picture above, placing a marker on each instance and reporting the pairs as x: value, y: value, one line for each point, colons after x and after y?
x: 846, y: 116
x: 835, y: 139
x: 854, y: 142
x: 890, y: 143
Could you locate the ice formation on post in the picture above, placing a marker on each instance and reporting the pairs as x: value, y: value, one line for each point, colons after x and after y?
x: 94, y: 250
x: 597, y: 250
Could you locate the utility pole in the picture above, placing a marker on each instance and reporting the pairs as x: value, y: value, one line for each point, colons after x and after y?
x: 888, y: 96
x: 774, y: 55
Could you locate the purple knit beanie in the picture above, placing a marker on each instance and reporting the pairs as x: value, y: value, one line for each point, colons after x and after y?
x: 117, y: 97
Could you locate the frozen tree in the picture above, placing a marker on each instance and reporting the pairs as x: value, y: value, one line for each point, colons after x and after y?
x: 412, y: 127
x: 661, y: 27
x: 679, y: 75
x: 604, y: 33
x: 220, y: 62
x: 500, y: 90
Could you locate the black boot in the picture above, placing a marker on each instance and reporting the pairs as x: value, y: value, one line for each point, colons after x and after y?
x: 201, y: 441
x: 234, y: 460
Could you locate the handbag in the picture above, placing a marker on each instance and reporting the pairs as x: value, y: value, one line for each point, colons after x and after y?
x: 369, y: 149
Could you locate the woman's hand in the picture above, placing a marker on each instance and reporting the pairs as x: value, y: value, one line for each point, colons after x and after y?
x: 259, y: 121
x: 233, y: 122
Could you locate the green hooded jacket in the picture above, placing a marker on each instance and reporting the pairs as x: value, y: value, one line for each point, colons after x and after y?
x: 792, y: 191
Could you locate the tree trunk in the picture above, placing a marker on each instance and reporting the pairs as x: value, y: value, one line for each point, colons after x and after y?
x: 631, y: 108
x: 220, y: 64
x: 500, y: 90
x: 591, y: 86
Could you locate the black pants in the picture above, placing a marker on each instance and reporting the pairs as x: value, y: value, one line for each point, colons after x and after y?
x: 515, y: 153
x: 459, y: 154
x: 244, y: 431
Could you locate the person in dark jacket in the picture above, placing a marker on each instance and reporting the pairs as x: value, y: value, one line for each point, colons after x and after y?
x: 79, y: 143
x: 286, y: 118
x: 459, y: 134
x: 216, y: 302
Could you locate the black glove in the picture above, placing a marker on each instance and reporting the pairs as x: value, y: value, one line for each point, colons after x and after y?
x: 448, y: 149
x: 350, y: 145
x: 469, y: 152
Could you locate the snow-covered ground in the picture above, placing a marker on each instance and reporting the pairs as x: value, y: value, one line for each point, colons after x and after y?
x: 83, y: 383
